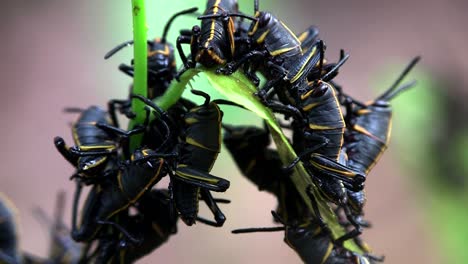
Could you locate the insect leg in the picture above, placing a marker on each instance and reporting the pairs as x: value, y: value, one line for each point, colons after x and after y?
x: 65, y: 151
x: 220, y: 218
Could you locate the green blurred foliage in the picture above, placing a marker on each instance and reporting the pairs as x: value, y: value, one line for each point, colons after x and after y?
x: 421, y: 118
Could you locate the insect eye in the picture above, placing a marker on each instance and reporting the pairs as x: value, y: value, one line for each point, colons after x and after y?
x: 264, y: 19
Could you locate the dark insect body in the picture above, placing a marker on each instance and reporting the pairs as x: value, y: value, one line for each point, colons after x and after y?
x: 115, y: 185
x: 318, y: 129
x: 277, y: 53
x: 248, y: 146
x: 368, y: 132
x: 153, y: 224
x: 93, y: 146
x: 198, y: 152
x: 161, y: 68
x: 215, y: 42
x: 312, y: 243
x: 124, y: 187
x: 125, y: 183
x: 320, y: 139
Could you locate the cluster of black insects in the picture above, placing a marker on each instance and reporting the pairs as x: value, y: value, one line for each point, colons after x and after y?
x: 338, y: 138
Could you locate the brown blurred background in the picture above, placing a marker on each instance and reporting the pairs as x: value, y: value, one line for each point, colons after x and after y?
x: 52, y: 56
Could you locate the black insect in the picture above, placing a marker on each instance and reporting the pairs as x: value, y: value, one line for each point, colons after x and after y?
x: 123, y: 188
x: 198, y: 151
x: 248, y: 146
x: 312, y: 243
x: 9, y: 248
x: 153, y: 224
x: 276, y: 52
x: 318, y: 128
x: 161, y: 68
x: 368, y: 128
x: 97, y: 143
x: 215, y: 42
x: 309, y: 37
x: 96, y: 159
x: 93, y: 146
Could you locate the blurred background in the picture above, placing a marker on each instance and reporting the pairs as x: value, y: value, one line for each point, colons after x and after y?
x: 52, y: 57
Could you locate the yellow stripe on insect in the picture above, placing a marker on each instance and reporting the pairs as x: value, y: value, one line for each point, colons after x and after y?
x: 304, y: 96
x: 389, y: 131
x: 364, y: 131
x: 191, y: 176
x: 191, y: 120
x: 320, y: 166
x: 163, y: 52
x: 327, y: 253
x: 94, y: 147
x: 192, y: 141
x: 303, y: 36
x: 281, y: 51
x: 143, y: 190
x: 290, y: 32
x: 263, y: 36
x: 231, y: 35
x: 311, y: 106
x: 212, y: 26
x: 255, y: 28
x: 301, y: 70
x: 363, y: 111
x: 319, y: 127
x: 96, y: 164
x: 75, y: 136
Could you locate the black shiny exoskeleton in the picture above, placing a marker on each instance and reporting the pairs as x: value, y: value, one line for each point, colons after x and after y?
x: 153, y: 224
x: 161, y: 68
x: 368, y: 128
x: 216, y: 41
x: 277, y: 53
x: 312, y: 242
x: 93, y: 146
x: 248, y: 146
x: 198, y: 151
x: 161, y: 60
x: 127, y: 183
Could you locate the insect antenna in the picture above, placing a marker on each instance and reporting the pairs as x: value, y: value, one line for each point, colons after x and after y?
x: 169, y: 22
x: 336, y: 67
x: 203, y: 94
x: 263, y: 229
x: 389, y: 91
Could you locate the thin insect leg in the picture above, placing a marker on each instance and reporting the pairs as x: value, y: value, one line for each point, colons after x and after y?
x: 220, y: 218
x: 305, y: 154
x: 318, y: 216
x: 121, y: 229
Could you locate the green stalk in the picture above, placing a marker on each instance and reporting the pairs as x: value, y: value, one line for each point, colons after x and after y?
x: 140, y: 65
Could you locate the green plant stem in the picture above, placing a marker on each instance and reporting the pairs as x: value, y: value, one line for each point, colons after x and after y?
x: 140, y: 82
